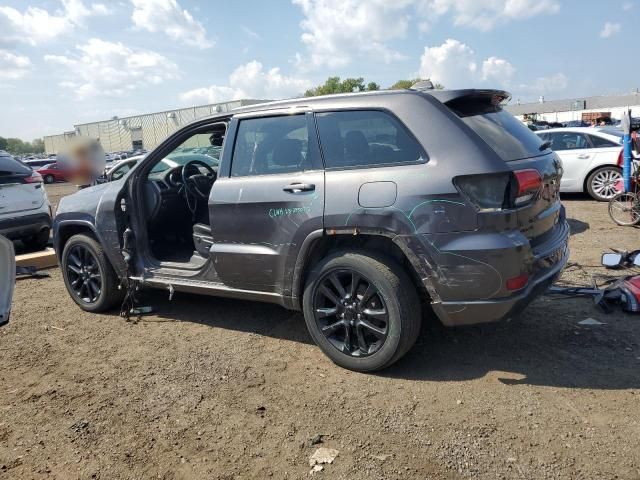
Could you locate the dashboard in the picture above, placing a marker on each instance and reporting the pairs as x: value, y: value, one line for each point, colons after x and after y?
x: 164, y: 195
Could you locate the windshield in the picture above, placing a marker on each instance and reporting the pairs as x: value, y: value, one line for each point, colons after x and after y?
x: 505, y: 134
x: 176, y: 159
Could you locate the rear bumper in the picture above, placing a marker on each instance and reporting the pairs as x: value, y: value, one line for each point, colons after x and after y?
x: 545, y: 263
x: 453, y: 314
x: 20, y: 227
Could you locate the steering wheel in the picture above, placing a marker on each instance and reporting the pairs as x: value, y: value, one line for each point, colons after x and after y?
x: 198, y: 184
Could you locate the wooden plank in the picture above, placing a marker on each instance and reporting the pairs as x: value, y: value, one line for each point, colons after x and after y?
x: 44, y: 259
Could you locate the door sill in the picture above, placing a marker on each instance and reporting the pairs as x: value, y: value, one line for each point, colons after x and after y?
x: 210, y: 288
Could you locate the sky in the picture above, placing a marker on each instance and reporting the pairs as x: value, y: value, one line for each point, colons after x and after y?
x: 64, y: 62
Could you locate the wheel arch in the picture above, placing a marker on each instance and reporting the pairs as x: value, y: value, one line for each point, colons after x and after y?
x: 319, y: 244
x: 66, y: 230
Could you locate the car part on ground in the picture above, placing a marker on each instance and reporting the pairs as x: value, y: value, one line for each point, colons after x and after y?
x: 7, y: 278
x: 621, y: 259
x: 350, y: 208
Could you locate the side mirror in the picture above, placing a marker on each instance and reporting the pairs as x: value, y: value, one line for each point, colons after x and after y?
x: 612, y: 260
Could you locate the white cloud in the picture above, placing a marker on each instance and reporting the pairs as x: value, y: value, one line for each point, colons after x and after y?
x: 249, y: 81
x: 610, y: 29
x: 168, y: 17
x: 627, y: 6
x: 484, y: 14
x: 455, y: 65
x: 36, y: 25
x: 337, y: 30
x: 111, y: 69
x: 497, y: 69
x: 13, y: 66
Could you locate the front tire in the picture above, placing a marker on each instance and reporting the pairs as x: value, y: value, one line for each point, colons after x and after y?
x: 88, y: 275
x: 362, y: 310
x: 601, y: 184
x: 49, y: 179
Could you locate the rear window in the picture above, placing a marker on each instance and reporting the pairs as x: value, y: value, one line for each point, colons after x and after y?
x: 599, y: 142
x: 9, y: 166
x: 505, y: 134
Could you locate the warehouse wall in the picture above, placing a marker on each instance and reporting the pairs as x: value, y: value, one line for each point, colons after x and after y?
x: 118, y: 134
x: 616, y: 112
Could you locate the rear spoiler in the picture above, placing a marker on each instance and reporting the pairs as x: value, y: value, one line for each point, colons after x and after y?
x: 451, y: 96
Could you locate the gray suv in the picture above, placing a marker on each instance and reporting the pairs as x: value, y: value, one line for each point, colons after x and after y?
x: 357, y: 209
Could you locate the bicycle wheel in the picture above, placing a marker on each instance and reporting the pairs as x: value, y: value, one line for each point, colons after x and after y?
x: 624, y: 209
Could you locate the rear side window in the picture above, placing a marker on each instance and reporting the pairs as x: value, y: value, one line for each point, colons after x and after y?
x: 505, y: 134
x: 269, y: 146
x: 568, y: 141
x: 365, y: 138
x: 599, y: 142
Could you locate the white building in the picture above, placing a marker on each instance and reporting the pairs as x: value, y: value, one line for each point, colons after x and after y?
x: 585, y: 109
x: 138, y: 131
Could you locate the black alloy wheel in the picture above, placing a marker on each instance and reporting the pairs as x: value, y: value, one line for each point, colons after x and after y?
x: 362, y: 309
x: 83, y: 273
x: 351, y: 313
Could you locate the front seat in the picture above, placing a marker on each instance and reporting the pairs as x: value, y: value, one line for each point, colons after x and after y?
x: 202, y: 239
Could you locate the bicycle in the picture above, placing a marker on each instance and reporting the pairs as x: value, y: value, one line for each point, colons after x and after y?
x: 624, y: 207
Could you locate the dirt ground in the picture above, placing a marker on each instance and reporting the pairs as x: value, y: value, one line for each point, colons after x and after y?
x: 224, y: 389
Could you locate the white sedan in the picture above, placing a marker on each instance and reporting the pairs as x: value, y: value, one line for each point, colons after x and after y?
x: 591, y: 159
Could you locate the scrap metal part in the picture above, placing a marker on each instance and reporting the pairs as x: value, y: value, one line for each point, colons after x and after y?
x: 7, y: 278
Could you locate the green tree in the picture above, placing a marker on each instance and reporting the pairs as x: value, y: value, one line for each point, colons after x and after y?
x: 37, y: 146
x: 406, y: 84
x: 335, y: 85
x: 15, y: 146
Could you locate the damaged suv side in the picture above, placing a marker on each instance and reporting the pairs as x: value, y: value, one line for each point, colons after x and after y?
x: 356, y: 209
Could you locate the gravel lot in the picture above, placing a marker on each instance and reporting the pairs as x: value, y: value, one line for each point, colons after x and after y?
x: 224, y: 389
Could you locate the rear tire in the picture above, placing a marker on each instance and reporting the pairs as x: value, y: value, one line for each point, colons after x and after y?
x: 39, y: 241
x: 361, y: 331
x: 601, y: 183
x: 88, y: 275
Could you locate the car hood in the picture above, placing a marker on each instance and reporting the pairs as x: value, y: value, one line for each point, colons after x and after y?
x: 7, y: 277
x: 85, y: 200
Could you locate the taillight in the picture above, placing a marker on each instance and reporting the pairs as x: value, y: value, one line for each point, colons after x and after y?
x: 35, y: 177
x: 620, y: 161
x: 528, y: 184
x: 488, y: 192
x: 500, y: 191
x: 517, y: 283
